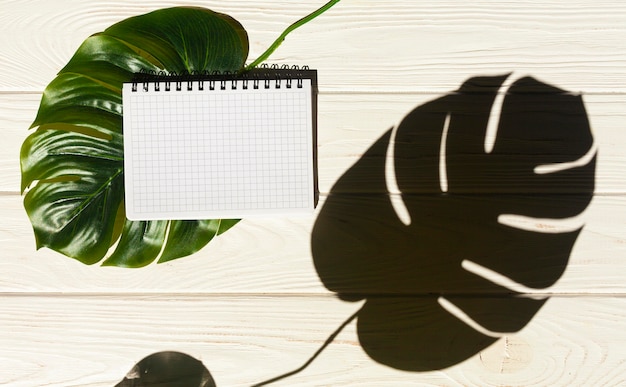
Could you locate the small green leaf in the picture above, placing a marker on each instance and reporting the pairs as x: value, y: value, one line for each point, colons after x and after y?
x: 226, y: 224
x: 78, y: 191
x: 109, y: 60
x: 140, y: 244
x: 186, y: 39
x: 69, y: 98
x: 188, y: 236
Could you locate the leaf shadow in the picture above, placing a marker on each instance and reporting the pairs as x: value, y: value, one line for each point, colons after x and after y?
x: 448, y: 283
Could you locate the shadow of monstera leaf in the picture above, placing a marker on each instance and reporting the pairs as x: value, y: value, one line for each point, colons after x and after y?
x: 444, y: 284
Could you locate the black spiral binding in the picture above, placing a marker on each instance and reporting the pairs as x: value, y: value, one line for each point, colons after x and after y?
x: 261, y: 77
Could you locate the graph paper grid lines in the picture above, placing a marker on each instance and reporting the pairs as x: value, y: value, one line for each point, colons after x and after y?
x: 222, y: 153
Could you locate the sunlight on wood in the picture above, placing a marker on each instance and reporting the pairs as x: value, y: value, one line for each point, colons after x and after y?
x: 252, y: 306
x: 500, y: 279
x: 494, y: 118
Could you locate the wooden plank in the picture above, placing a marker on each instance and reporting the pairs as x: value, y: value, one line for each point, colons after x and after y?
x: 252, y: 305
x: 274, y: 256
x: 94, y: 341
x: 395, y: 45
x: 348, y: 125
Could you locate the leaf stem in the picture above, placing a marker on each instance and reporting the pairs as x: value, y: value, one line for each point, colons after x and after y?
x: 292, y: 27
x: 329, y: 340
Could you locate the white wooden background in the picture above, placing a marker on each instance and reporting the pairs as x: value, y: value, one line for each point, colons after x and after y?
x: 250, y: 305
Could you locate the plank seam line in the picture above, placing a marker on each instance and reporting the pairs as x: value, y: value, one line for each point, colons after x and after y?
x: 161, y: 294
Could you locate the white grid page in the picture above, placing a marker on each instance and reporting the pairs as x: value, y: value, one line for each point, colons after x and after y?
x: 227, y: 153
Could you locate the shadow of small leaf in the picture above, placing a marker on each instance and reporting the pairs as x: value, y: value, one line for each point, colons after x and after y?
x: 168, y: 369
x: 456, y: 192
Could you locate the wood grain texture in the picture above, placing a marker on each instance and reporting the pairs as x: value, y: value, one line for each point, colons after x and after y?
x: 251, y: 305
x: 94, y: 341
x: 348, y: 125
x: 396, y: 45
x: 274, y: 256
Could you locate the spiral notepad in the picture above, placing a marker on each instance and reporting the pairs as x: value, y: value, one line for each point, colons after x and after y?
x: 220, y: 145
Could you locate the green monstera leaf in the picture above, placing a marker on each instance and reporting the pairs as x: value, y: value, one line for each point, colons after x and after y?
x: 72, y: 165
